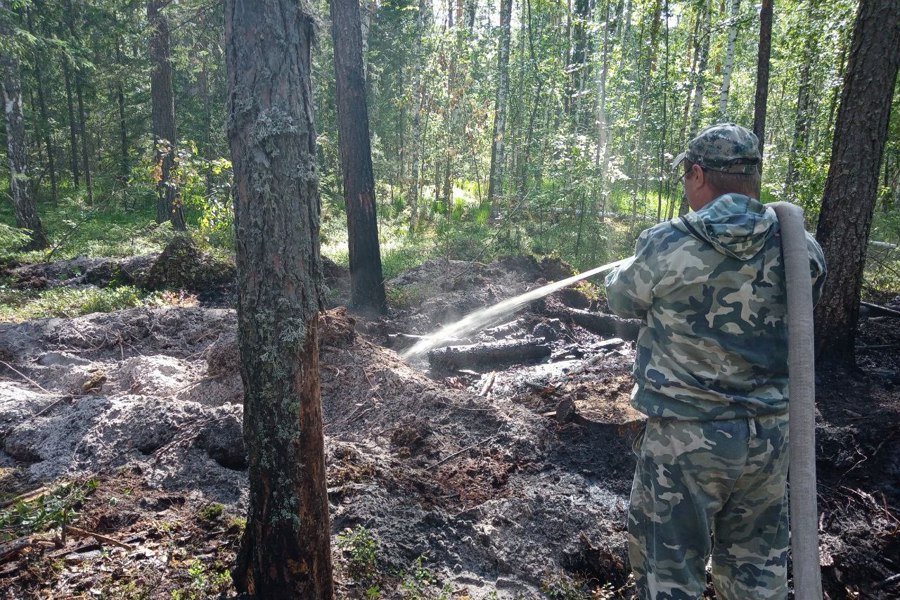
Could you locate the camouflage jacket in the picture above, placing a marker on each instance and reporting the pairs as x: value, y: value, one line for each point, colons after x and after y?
x: 710, y: 289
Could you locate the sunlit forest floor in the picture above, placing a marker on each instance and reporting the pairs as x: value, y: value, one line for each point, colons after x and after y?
x: 123, y: 475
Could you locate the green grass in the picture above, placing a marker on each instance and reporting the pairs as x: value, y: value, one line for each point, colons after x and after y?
x: 118, y: 225
x: 23, y: 305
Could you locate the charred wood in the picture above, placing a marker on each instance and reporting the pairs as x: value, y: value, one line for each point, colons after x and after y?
x: 600, y: 323
x: 488, y: 355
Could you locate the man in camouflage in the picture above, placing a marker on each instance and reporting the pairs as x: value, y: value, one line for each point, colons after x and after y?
x: 711, y: 374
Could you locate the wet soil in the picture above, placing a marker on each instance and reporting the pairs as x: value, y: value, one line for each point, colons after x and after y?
x: 488, y: 482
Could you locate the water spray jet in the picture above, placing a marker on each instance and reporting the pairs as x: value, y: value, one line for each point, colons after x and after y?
x: 482, y: 317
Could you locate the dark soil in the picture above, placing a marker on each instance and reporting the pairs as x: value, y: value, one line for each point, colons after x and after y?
x: 502, y: 481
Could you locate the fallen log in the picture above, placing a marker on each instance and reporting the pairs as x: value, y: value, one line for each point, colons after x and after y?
x: 488, y: 355
x: 600, y: 323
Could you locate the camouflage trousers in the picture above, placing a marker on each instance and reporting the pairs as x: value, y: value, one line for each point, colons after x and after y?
x: 710, y: 490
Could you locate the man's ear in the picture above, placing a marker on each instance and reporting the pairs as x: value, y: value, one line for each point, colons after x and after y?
x: 699, y: 175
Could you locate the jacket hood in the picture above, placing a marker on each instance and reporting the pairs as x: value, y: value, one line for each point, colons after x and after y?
x: 735, y: 225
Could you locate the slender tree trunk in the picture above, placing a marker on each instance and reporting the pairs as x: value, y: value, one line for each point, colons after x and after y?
x: 495, y: 183
x: 803, y: 115
x: 73, y: 127
x: 729, y: 59
x: 162, y: 99
x: 695, y: 59
x: 366, y: 283
x: 20, y: 186
x: 418, y: 100
x: 286, y: 547
x: 766, y: 15
x: 700, y: 82
x: 44, y: 128
x: 85, y: 144
x: 852, y: 185
x: 124, y: 166
x: 82, y: 114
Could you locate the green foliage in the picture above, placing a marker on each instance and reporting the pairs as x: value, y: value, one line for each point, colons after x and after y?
x: 47, y: 511
x: 420, y: 583
x: 211, y: 512
x: 361, y: 549
x: 204, y: 583
x: 11, y: 240
x: 561, y: 586
x: 23, y: 305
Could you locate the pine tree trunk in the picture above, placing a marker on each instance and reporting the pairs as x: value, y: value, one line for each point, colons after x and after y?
x: 20, y: 186
x: 286, y: 548
x: 762, y: 73
x: 852, y: 185
x: 495, y: 179
x: 802, y: 115
x: 729, y: 59
x: 162, y: 99
x: 366, y: 284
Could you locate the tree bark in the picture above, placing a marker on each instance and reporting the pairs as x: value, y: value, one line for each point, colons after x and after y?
x: 44, y: 125
x: 286, y: 548
x: 852, y: 185
x: 804, y: 109
x: 82, y: 115
x: 766, y: 15
x: 85, y: 145
x: 366, y: 280
x: 124, y: 166
x: 73, y: 131
x: 418, y: 100
x: 162, y: 99
x: 495, y: 179
x: 20, y: 187
x: 729, y: 59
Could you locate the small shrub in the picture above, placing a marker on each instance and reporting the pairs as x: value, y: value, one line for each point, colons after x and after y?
x: 47, y: 511
x: 361, y: 549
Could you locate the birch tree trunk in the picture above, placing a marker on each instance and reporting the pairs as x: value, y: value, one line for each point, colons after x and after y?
x: 729, y: 59
x: 286, y: 547
x: 20, y: 187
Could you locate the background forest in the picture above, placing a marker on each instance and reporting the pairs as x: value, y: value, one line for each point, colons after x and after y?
x: 601, y: 94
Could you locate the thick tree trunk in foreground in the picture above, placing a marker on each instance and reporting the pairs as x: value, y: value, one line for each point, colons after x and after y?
x: 162, y: 97
x: 366, y: 280
x: 17, y: 148
x: 495, y: 179
x: 852, y: 184
x: 286, y: 549
x: 762, y: 72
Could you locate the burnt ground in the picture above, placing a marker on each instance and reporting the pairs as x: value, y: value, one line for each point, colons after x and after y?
x: 504, y: 480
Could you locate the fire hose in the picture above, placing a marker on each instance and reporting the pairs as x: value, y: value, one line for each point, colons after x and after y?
x: 802, y: 411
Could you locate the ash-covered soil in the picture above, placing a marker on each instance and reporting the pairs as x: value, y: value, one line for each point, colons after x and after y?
x: 500, y: 480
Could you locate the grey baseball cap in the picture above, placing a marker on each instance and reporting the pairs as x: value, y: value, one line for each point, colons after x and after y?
x: 725, y: 147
